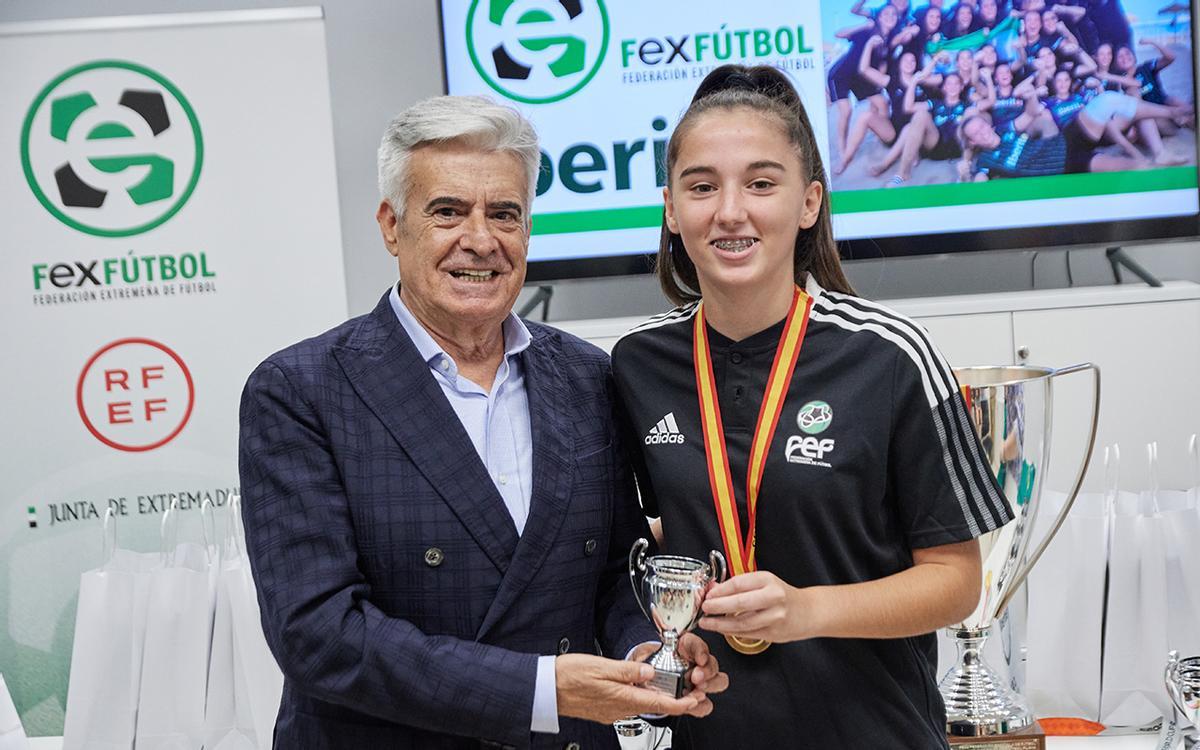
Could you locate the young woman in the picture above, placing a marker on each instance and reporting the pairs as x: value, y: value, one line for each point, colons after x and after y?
x: 886, y: 124
x: 810, y: 449
x: 962, y: 22
x: 1064, y: 103
x: 1147, y: 86
x: 873, y: 69
x: 933, y: 131
x: 928, y: 22
x: 1003, y: 105
x: 845, y: 76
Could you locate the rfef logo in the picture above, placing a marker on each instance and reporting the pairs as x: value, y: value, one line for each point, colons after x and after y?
x: 135, y: 395
x: 111, y: 148
x: 537, y: 51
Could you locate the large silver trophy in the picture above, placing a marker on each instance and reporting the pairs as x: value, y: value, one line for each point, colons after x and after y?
x: 670, y: 593
x: 1183, y: 685
x: 1011, y: 409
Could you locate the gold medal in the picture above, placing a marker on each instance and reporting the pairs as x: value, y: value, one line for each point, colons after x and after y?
x: 741, y: 554
x: 748, y: 646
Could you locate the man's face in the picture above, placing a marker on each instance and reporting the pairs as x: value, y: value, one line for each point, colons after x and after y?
x: 462, y: 239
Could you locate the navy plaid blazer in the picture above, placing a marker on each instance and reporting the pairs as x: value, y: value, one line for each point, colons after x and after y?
x: 396, y: 595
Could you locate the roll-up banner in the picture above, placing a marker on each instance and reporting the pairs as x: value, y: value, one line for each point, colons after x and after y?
x: 170, y: 218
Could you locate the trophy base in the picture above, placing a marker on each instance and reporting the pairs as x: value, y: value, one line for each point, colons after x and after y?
x: 668, y: 682
x: 1029, y: 738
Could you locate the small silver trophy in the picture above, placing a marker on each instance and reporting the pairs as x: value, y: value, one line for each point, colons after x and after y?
x: 1182, y: 677
x: 1010, y: 410
x: 670, y: 593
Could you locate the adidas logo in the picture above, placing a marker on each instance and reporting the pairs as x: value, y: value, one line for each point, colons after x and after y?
x: 666, y: 431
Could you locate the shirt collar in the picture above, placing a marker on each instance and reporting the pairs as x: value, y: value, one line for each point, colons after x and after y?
x: 516, y: 335
x: 812, y: 288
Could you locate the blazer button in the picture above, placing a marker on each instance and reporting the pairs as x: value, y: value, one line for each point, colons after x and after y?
x: 571, y: 746
x: 589, y: 546
x: 564, y: 645
x: 434, y: 557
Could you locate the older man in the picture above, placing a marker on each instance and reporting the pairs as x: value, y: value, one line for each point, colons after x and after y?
x: 437, y: 506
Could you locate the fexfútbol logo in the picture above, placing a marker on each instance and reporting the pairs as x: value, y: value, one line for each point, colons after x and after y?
x: 537, y: 51
x: 814, y: 417
x: 111, y: 148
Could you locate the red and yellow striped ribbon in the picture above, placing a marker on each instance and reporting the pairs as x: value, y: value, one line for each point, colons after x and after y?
x: 741, y: 554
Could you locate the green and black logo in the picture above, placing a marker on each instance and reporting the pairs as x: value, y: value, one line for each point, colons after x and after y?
x: 111, y: 148
x: 814, y: 417
x: 537, y: 52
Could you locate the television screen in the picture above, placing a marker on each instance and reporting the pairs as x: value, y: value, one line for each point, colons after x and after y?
x: 975, y: 124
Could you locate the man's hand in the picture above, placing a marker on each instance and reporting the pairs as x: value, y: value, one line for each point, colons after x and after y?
x: 705, y: 676
x: 604, y: 690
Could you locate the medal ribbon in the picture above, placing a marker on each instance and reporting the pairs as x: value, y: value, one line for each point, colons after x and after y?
x: 741, y: 554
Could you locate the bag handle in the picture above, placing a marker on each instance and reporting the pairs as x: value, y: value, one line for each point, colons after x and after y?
x: 168, y: 533
x: 234, y: 524
x: 108, y: 541
x: 1194, y: 452
x: 1112, y: 477
x: 1152, y: 461
x: 208, y: 521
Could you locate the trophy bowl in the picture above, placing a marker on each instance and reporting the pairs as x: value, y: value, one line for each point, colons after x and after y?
x: 1010, y: 409
x: 670, y: 591
x: 1182, y: 678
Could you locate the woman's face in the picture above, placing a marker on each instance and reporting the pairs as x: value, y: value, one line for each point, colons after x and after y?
x: 886, y: 21
x: 1003, y: 75
x: 963, y: 16
x: 908, y: 63
x: 1033, y: 26
x: 1049, y: 21
x: 963, y: 61
x: 952, y: 85
x: 988, y: 10
x: 987, y: 56
x: 1125, y: 59
x: 738, y: 198
x: 1104, y: 56
x: 1045, y: 60
x: 1062, y: 84
x: 933, y: 20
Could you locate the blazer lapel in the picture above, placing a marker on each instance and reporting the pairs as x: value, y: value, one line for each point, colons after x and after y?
x: 553, y: 459
x: 387, y: 372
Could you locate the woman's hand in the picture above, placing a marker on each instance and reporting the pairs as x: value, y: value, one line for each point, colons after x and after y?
x: 759, y: 605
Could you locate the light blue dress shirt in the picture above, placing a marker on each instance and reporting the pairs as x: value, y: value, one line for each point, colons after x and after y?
x: 498, y: 425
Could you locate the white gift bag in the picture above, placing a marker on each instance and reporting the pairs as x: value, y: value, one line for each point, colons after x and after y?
x: 1135, y: 636
x: 12, y: 734
x: 106, y: 659
x: 1066, y: 609
x: 264, y: 679
x: 1182, y: 530
x: 228, y: 719
x: 179, y: 617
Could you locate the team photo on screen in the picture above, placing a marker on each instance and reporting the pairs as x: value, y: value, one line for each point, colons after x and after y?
x: 991, y: 89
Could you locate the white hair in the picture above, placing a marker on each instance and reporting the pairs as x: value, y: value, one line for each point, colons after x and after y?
x: 474, y: 120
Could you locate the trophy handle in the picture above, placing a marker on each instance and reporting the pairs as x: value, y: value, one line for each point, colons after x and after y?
x: 637, y: 564
x: 720, y: 570
x: 1170, y: 678
x: 1031, y: 559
